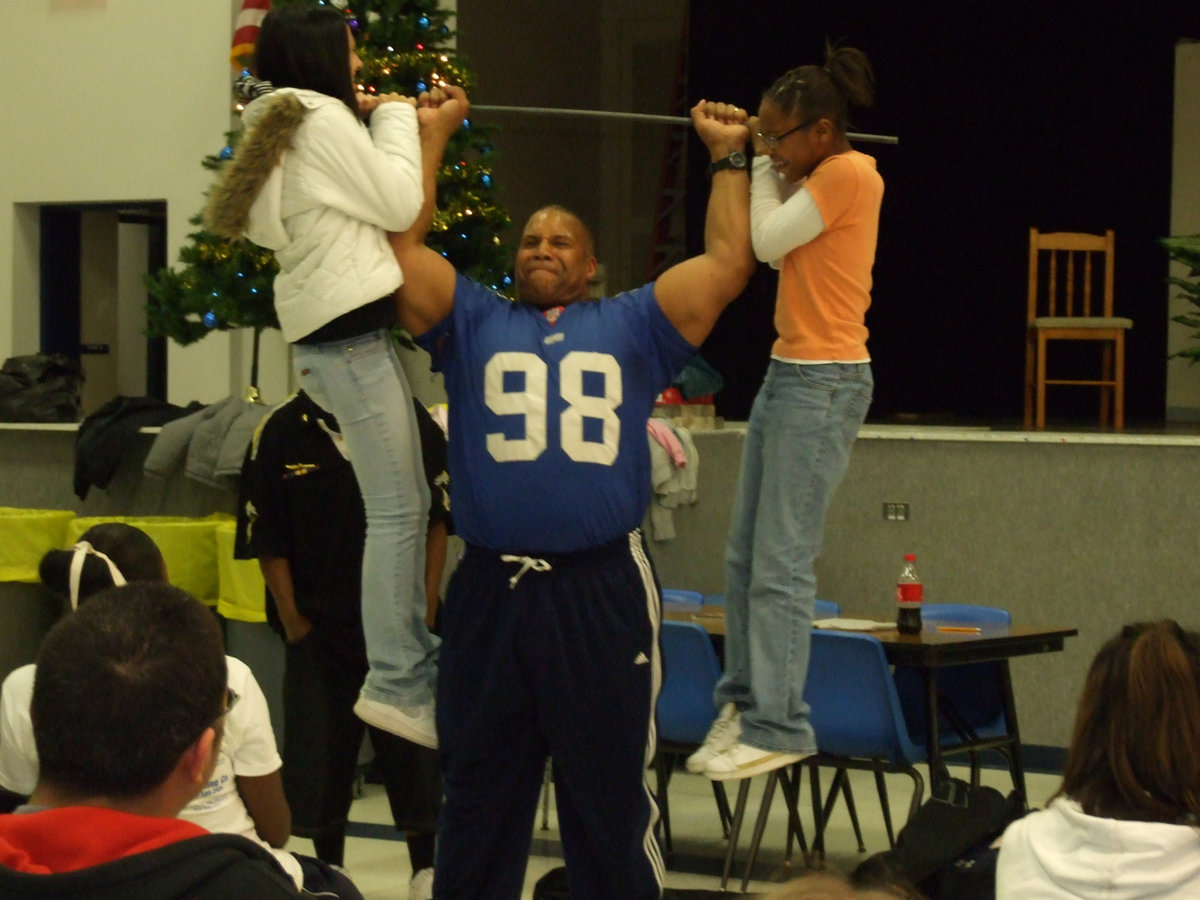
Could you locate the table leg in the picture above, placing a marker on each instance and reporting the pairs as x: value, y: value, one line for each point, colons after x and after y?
x: 1010, y: 718
x: 937, y: 768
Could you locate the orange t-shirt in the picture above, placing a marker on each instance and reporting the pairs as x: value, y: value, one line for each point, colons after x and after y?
x: 825, y: 285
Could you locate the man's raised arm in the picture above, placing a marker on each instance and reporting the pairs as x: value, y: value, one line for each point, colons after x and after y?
x: 693, y: 293
x: 427, y: 294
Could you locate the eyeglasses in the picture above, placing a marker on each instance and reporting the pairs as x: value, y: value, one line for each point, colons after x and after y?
x: 772, y: 141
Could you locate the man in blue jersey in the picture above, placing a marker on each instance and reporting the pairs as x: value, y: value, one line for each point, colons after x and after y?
x: 550, y: 629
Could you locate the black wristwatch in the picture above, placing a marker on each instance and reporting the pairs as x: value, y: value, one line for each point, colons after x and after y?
x: 735, y: 160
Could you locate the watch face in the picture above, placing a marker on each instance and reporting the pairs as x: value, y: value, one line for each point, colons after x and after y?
x: 735, y: 160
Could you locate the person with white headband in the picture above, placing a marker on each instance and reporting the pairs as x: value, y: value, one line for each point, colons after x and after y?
x: 245, y: 793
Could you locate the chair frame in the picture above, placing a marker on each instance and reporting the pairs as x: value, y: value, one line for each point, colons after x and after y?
x: 906, y: 753
x: 668, y: 753
x: 1073, y: 325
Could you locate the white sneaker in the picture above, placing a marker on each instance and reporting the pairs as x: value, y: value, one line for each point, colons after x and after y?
x: 413, y: 723
x: 722, y: 735
x: 421, y: 886
x: 743, y: 761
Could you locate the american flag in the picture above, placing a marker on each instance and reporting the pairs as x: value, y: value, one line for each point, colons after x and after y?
x: 245, y: 31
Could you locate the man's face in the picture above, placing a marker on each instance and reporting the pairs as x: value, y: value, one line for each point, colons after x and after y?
x: 554, y: 261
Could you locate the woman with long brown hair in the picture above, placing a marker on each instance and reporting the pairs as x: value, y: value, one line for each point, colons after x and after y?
x: 1126, y: 821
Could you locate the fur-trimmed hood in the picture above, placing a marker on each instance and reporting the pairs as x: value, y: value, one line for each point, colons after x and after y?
x: 271, y: 124
x: 315, y: 185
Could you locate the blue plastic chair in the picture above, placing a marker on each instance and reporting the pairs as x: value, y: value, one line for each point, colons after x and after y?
x: 970, y: 697
x: 685, y: 710
x: 826, y: 609
x: 859, y: 724
x: 681, y: 597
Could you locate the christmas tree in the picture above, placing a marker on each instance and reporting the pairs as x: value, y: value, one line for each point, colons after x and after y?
x: 222, y: 284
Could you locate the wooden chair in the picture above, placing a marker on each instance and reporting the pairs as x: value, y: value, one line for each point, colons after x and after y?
x: 1061, y: 308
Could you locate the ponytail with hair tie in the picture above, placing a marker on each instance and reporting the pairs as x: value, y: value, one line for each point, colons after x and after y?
x: 81, y: 552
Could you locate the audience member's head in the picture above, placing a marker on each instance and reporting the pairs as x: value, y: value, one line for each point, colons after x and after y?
x: 107, y: 555
x: 878, y: 878
x: 874, y: 885
x: 129, y: 699
x: 1133, y: 751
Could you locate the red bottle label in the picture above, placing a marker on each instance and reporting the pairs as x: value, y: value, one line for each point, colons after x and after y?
x: 908, y: 593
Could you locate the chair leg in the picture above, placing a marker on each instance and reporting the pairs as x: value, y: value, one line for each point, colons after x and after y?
x: 791, y: 793
x: 722, y: 807
x: 760, y: 825
x: 816, y: 859
x: 1106, y: 375
x: 1041, y: 381
x: 850, y: 808
x: 739, y: 812
x: 1029, y: 344
x: 885, y: 806
x: 547, y: 781
x: 662, y: 770
x: 918, y: 793
x: 1119, y: 390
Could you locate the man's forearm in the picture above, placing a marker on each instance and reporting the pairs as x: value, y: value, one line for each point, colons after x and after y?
x: 433, y: 150
x: 727, y: 220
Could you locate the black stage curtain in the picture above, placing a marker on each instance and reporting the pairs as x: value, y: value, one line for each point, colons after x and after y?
x: 1010, y: 116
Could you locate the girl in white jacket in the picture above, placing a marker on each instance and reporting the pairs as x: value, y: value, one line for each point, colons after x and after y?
x: 1124, y: 824
x: 312, y: 183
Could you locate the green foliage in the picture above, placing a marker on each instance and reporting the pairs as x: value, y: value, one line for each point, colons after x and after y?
x: 403, y: 46
x: 221, y: 284
x: 1185, y: 249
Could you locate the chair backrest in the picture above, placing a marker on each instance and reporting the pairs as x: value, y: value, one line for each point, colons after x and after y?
x: 681, y: 597
x: 826, y: 609
x: 690, y: 672
x: 1063, y: 270
x: 855, y: 709
x: 966, y: 613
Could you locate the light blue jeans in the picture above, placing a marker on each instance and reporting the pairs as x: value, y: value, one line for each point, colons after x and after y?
x: 802, y: 426
x: 361, y: 382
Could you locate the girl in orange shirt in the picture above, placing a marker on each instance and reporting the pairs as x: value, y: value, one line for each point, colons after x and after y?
x: 815, y: 217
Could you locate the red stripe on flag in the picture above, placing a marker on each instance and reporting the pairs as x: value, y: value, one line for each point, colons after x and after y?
x: 246, y: 28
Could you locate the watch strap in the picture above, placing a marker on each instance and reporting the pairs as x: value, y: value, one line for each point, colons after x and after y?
x: 735, y: 160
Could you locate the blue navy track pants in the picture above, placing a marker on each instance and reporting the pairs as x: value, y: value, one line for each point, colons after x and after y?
x: 561, y: 662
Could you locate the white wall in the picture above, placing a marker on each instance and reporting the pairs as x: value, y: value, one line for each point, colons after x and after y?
x: 1183, y: 378
x: 109, y: 100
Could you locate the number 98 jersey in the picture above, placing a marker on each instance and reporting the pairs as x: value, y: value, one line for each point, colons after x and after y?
x: 548, y: 448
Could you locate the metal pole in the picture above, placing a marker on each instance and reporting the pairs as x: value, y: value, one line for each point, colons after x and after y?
x: 641, y: 117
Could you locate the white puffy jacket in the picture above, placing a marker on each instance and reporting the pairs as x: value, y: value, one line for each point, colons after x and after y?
x: 326, y: 208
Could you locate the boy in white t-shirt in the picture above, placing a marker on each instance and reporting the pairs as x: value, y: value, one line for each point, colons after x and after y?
x: 245, y: 793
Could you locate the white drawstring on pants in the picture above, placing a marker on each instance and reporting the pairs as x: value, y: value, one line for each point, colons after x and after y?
x: 527, y: 563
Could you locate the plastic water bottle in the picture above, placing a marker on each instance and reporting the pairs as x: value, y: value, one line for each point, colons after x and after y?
x: 908, y: 597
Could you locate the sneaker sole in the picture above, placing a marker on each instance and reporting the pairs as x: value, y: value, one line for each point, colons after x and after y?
x: 768, y: 763
x: 697, y: 768
x: 398, y: 728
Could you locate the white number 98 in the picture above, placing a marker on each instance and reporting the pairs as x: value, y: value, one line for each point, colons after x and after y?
x: 530, y: 403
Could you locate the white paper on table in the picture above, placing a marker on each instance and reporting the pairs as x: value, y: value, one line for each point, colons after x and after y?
x: 841, y: 624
